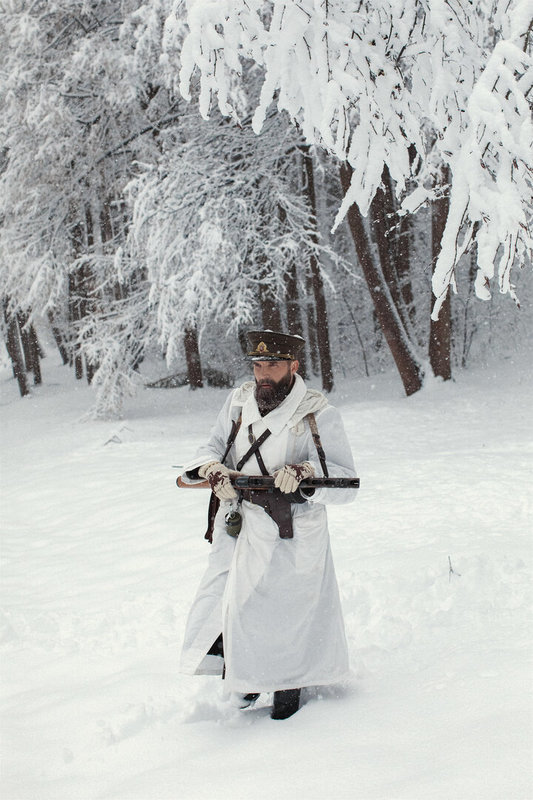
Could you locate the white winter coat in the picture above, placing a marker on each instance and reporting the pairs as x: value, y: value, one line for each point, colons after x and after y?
x: 275, y: 600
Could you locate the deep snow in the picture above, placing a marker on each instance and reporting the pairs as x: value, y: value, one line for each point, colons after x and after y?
x: 101, y: 555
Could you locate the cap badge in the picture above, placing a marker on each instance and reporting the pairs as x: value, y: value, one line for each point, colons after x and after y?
x: 262, y: 348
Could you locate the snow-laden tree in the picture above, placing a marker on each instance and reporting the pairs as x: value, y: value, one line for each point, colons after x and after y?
x: 219, y: 222
x: 80, y: 101
x: 369, y: 82
x: 407, y: 98
x: 492, y: 176
x: 55, y: 180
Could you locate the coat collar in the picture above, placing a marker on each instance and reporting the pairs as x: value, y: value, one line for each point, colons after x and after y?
x: 291, y: 410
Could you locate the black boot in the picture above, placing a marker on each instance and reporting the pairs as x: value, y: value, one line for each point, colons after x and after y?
x: 248, y: 700
x: 286, y: 703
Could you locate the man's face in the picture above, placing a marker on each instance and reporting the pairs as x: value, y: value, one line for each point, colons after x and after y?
x: 273, y: 380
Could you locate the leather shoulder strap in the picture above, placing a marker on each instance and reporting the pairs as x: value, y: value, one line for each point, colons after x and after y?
x: 311, y: 419
x: 214, y: 502
x: 235, y: 425
x: 256, y: 444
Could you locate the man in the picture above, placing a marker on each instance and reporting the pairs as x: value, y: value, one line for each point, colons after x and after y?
x: 267, y: 613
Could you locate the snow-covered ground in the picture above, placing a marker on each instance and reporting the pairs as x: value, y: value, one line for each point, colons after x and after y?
x: 101, y: 555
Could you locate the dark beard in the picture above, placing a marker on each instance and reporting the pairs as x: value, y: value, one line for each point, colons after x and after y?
x: 270, y: 394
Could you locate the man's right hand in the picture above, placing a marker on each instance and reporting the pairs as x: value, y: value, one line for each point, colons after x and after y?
x: 219, y: 480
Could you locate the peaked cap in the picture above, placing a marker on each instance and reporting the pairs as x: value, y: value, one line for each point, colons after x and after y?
x: 274, y: 346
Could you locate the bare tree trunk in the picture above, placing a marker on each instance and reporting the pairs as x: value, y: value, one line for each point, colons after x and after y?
x: 403, y: 266
x: 86, y: 282
x: 30, y: 347
x: 403, y: 252
x: 440, y: 329
x: 322, y: 329
x: 192, y: 356
x: 411, y: 371
x: 75, y: 309
x: 311, y: 326
x: 90, y: 370
x: 393, y: 249
x: 35, y: 355
x: 14, y: 349
x: 292, y: 303
x: 81, y: 291
x: 22, y: 319
x: 270, y: 313
x: 469, y: 331
x: 294, y: 314
x: 59, y: 340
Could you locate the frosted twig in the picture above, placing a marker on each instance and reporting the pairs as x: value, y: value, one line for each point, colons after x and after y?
x: 452, y: 571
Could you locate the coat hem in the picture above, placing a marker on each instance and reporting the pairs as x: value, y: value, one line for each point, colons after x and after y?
x: 202, y: 665
x: 251, y: 686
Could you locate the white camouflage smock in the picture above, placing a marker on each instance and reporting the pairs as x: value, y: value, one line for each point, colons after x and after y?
x: 275, y: 600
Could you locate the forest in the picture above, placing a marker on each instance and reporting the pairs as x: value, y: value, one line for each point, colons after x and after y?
x: 173, y: 173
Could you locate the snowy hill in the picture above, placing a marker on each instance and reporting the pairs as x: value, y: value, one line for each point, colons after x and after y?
x: 102, y: 555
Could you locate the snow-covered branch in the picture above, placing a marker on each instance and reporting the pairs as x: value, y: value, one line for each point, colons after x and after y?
x: 367, y: 81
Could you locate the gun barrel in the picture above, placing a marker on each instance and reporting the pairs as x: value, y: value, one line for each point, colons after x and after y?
x: 267, y: 482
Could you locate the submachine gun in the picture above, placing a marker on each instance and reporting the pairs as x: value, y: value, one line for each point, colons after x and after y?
x: 260, y: 490
x: 265, y: 483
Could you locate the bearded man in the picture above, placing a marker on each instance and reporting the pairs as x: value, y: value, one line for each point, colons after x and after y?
x: 267, y: 614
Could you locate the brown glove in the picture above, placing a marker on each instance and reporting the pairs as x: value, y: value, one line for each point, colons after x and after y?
x: 289, y: 477
x: 219, y: 480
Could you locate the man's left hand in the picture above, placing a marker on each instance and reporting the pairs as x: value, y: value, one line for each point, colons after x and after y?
x: 290, y: 476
